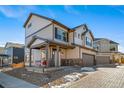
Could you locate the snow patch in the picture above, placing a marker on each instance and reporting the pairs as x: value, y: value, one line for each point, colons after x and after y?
x: 121, y: 67
x: 69, y: 79
x: 88, y: 69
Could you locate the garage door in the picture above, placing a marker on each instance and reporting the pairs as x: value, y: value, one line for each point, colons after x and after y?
x: 88, y: 60
x: 102, y: 59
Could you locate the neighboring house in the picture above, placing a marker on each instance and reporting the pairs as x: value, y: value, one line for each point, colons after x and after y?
x: 107, y: 51
x: 56, y: 44
x: 1, y: 50
x: 3, y: 57
x: 15, y: 52
x: 106, y: 45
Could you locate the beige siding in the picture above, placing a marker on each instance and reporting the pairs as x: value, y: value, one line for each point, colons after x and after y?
x: 63, y: 54
x: 1, y: 50
x: 71, y: 37
x: 47, y: 33
x: 37, y: 23
x: 105, y: 46
x: 87, y: 52
x: 82, y: 40
x: 73, y: 53
x: 76, y: 39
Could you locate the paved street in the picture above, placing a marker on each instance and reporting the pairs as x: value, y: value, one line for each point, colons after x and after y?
x: 103, y: 78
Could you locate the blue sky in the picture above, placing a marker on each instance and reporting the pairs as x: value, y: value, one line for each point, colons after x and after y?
x: 104, y: 21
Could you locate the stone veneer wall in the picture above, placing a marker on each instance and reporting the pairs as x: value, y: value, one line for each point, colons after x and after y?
x: 72, y: 62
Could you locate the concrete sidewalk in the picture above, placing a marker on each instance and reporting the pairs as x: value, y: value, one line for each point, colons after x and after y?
x: 8, y: 81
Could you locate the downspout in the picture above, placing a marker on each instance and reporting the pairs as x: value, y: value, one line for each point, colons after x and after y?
x: 53, y: 32
x: 73, y: 38
x: 25, y: 55
x: 30, y: 55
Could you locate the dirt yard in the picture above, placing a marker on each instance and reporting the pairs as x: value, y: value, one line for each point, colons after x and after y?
x: 44, y: 79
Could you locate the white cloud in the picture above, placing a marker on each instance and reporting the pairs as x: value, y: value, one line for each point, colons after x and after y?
x: 116, y: 7
x: 121, y: 48
x: 71, y: 10
x: 2, y: 44
x: 10, y: 12
x: 15, y: 11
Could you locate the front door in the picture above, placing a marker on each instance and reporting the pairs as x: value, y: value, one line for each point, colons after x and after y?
x: 56, y: 58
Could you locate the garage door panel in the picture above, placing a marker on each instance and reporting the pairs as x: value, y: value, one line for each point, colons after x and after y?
x: 102, y: 59
x: 88, y: 60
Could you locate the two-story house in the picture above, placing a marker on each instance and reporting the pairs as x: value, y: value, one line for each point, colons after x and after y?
x: 56, y: 44
x: 107, y: 51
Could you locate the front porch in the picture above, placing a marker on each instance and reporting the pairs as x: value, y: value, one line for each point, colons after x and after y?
x: 47, y: 53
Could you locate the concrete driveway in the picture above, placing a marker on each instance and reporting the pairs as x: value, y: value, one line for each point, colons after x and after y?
x: 102, y: 78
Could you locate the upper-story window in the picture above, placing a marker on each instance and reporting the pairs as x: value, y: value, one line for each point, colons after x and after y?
x: 29, y: 25
x: 112, y: 49
x: 78, y: 36
x: 61, y: 34
x: 88, y: 42
x: 81, y: 37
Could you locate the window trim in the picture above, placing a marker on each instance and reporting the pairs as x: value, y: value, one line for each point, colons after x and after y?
x: 90, y: 43
x: 62, y: 36
x: 79, y: 35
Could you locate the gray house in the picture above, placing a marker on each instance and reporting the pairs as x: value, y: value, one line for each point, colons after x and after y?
x: 15, y: 52
x: 3, y: 57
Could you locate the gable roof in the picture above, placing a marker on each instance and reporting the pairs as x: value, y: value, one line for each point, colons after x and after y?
x: 80, y: 26
x: 50, y: 19
x: 47, y: 41
x: 111, y: 41
x: 87, y: 30
x: 10, y: 44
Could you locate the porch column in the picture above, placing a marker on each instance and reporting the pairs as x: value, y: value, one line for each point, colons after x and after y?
x: 58, y: 61
x: 47, y: 54
x: 1, y: 61
x: 30, y: 56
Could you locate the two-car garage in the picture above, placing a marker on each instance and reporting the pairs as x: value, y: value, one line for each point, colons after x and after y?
x: 91, y: 60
